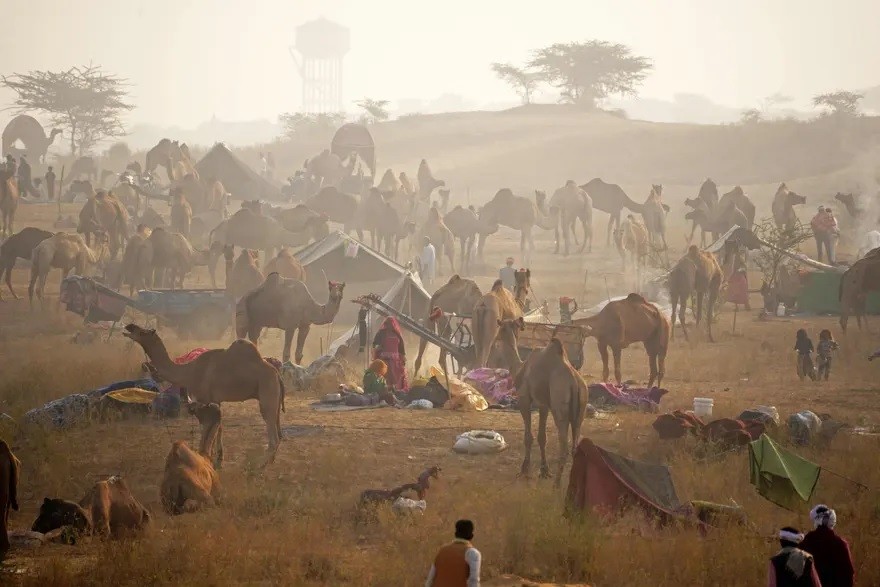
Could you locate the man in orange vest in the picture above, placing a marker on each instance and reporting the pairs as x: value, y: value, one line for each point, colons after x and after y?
x: 458, y: 563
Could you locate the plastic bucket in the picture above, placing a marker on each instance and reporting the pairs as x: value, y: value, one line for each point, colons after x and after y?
x: 703, y: 406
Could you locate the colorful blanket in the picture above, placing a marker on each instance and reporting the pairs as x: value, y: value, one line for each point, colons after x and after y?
x: 637, y: 397
x: 496, y: 385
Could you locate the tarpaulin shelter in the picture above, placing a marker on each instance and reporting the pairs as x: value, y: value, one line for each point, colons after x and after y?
x: 781, y: 476
x: 820, y: 294
x: 606, y: 481
x: 242, y: 182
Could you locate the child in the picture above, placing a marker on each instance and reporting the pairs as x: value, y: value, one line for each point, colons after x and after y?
x: 804, y: 347
x: 823, y: 353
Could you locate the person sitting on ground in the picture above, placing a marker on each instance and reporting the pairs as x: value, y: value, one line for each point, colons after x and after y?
x: 458, y: 563
x: 507, y: 274
x: 375, y: 385
x: 831, y: 553
x: 791, y: 566
x: 804, y: 347
x: 823, y: 354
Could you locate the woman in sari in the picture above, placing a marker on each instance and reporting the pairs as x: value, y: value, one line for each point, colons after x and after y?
x: 388, y: 346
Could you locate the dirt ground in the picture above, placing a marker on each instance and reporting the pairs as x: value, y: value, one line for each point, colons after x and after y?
x: 296, y: 523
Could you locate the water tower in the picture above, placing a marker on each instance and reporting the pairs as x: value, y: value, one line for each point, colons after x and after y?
x: 321, y: 45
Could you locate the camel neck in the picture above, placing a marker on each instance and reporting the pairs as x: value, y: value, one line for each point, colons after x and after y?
x: 160, y: 359
x: 328, y: 311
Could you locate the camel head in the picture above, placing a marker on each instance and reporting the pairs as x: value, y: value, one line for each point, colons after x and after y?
x: 846, y: 199
x: 143, y: 336
x: 336, y: 288
x: 795, y: 199
x: 540, y: 198
x: 508, y: 333
x: 523, y: 281
x: 657, y: 189
x: 55, y: 132
x: 695, y: 214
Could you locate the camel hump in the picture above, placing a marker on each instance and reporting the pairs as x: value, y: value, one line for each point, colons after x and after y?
x: 635, y: 298
x: 454, y: 279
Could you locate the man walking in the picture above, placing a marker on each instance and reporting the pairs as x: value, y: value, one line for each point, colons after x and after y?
x: 25, y: 186
x: 428, y: 261
x: 458, y: 563
x: 507, y: 274
x: 50, y: 183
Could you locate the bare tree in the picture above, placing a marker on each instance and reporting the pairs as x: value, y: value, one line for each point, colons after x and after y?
x: 841, y: 103
x: 771, y: 259
x: 591, y: 71
x: 84, y: 100
x: 374, y: 110
x: 523, y: 81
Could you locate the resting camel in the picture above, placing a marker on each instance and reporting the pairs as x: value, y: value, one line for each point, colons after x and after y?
x: 572, y: 204
x: 549, y: 382
x: 235, y: 374
x: 107, y: 509
x: 10, y: 467
x: 623, y: 322
x: 457, y: 296
x: 783, y: 207
x: 19, y: 246
x: 465, y: 226
x: 516, y: 212
x: 493, y: 308
x: 286, y: 304
x: 609, y: 198
x: 190, y: 481
x: 441, y: 237
x: 8, y: 202
x: 104, y: 213
x: 286, y: 265
x: 66, y: 252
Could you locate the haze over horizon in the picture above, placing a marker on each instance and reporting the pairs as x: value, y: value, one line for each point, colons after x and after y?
x: 188, y: 61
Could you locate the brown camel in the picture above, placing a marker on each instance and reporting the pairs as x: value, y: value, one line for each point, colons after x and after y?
x: 623, y: 322
x: 572, y: 204
x: 611, y: 199
x: 739, y: 198
x: 235, y: 374
x: 325, y: 169
x: 26, y: 129
x: 166, y: 259
x: 137, y: 262
x: 83, y: 167
x: 66, y: 252
x: 160, y: 154
x: 681, y: 282
x: 190, y: 481
x: 549, y: 382
x: 107, y: 509
x: 301, y: 218
x: 243, y: 275
x: 444, y: 201
x: 516, y: 212
x: 288, y: 305
x: 861, y: 278
x: 104, y: 213
x: 427, y: 183
x: 441, y: 237
x: 707, y: 283
x: 457, y: 296
x: 286, y: 265
x: 10, y: 467
x: 497, y: 305
x: 654, y: 216
x: 181, y: 213
x: 337, y: 206
x: 726, y: 215
x: 850, y: 203
x: 465, y: 226
x: 19, y: 246
x: 8, y: 202
x: 632, y: 237
x: 783, y: 207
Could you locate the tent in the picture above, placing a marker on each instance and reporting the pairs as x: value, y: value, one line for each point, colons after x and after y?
x: 820, y: 294
x: 238, y: 178
x: 781, y: 476
x: 606, y: 481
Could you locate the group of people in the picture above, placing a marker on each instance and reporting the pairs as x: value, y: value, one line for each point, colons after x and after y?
x: 821, y: 558
x: 804, y: 347
x: 826, y: 233
x: 21, y: 171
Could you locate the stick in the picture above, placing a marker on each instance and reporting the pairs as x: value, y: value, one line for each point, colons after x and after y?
x: 735, y: 312
x: 854, y: 482
x: 60, y: 189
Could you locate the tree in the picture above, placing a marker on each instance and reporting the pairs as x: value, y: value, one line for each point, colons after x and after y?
x: 775, y: 100
x: 591, y: 71
x: 751, y: 116
x: 770, y: 260
x: 299, y: 124
x: 118, y: 155
x: 523, y: 81
x: 84, y: 100
x: 841, y: 103
x: 374, y: 110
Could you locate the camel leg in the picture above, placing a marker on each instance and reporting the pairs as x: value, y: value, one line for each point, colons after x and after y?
x: 531, y: 243
x: 615, y: 351
x: 652, y: 363
x: 699, y: 307
x: 525, y: 409
x: 572, y: 225
x: 673, y: 302
x: 603, y: 352
x: 562, y: 421
x: 300, y: 343
x: 288, y: 340
x: 713, y: 294
x: 9, y: 280
x: 543, y: 412
x: 682, y: 310
x: 661, y: 370
x: 269, y: 412
x: 556, y: 236
x: 565, y: 235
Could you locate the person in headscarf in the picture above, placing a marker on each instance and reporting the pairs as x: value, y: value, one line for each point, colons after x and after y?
x: 388, y: 346
x: 831, y: 553
x: 375, y: 385
x: 791, y: 566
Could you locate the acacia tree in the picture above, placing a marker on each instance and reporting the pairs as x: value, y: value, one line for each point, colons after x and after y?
x: 85, y: 101
x: 374, y: 110
x: 590, y: 71
x: 298, y: 124
x: 523, y: 81
x: 841, y: 103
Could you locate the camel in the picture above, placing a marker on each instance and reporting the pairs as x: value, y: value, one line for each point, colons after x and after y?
x: 491, y: 309
x: 10, y: 468
x: 288, y: 305
x: 66, y: 252
x: 849, y: 202
x: 137, y: 261
x: 707, y: 283
x: 739, y: 199
x: 654, y: 216
x: 406, y: 185
x: 372, y: 208
x: 165, y: 259
x: 609, y: 198
x: 681, y: 282
x: 235, y: 374
x: 726, y: 215
x: 441, y: 237
x: 444, y: 201
x: 301, y: 218
x: 516, y: 212
x: 286, y: 265
x: 465, y: 226
x: 548, y: 381
x: 8, y: 202
x: 632, y: 237
x: 26, y: 129
x: 165, y: 153
x: 326, y: 169
x: 243, y: 275
x: 709, y: 193
x: 391, y: 229
x: 783, y: 207
x: 79, y: 186
x: 107, y: 509
x: 181, y: 213
x: 427, y: 183
x: 83, y: 168
x: 190, y: 480
x: 389, y: 184
x: 19, y: 246
x: 623, y: 322
x: 337, y: 206
x: 104, y: 213
x: 457, y: 296
x: 572, y: 204
x: 862, y: 277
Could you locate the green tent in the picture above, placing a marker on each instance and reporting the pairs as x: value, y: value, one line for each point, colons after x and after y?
x: 820, y: 292
x: 780, y: 476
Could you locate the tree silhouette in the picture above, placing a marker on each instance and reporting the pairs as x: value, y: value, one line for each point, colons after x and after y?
x: 84, y: 100
x: 375, y: 110
x: 751, y: 116
x: 521, y: 80
x: 591, y: 71
x: 297, y: 124
x: 841, y: 103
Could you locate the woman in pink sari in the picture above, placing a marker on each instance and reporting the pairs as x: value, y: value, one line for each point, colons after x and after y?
x: 388, y: 346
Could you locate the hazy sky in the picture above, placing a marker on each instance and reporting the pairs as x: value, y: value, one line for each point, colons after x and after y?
x: 190, y: 59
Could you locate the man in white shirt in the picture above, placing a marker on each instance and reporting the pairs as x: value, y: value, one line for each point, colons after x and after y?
x: 428, y: 260
x: 507, y: 274
x: 457, y: 564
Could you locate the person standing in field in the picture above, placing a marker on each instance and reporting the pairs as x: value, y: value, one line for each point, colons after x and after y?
x: 457, y: 564
x: 831, y: 553
x: 823, y: 354
x: 428, y: 261
x: 791, y: 566
x: 507, y: 275
x: 50, y: 183
x: 804, y: 347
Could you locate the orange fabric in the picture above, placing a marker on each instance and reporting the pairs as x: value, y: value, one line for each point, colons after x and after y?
x: 379, y: 367
x: 450, y: 566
